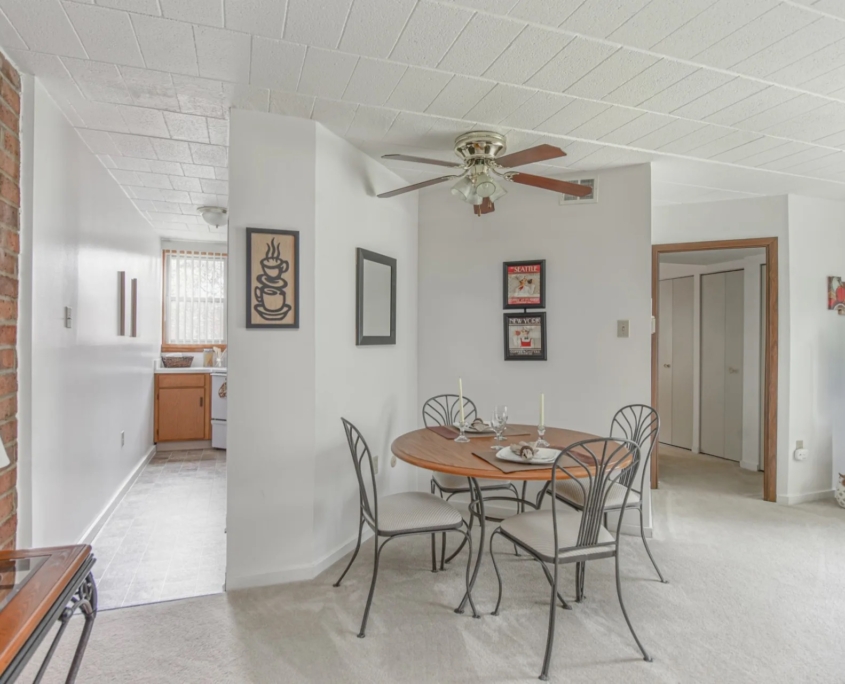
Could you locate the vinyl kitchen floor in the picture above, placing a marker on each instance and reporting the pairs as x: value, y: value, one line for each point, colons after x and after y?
x: 166, y: 539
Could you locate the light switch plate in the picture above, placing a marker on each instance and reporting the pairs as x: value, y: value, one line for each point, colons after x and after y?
x: 623, y: 328
x: 68, y: 317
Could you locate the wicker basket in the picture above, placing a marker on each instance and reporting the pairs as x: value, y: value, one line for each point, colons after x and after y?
x: 177, y: 361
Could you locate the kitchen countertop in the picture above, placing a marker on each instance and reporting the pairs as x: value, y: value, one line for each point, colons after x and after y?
x: 192, y: 369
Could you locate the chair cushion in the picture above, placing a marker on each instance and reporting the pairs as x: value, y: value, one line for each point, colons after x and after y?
x: 570, y: 491
x: 535, y: 530
x: 415, y: 511
x: 459, y: 482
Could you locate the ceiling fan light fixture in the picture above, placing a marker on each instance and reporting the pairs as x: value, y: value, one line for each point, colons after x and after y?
x: 484, y: 185
x: 500, y: 192
x: 464, y: 189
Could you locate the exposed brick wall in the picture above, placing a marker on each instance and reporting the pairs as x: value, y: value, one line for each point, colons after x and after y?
x: 10, y: 202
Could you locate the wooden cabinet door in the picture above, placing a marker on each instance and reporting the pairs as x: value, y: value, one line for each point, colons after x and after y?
x: 181, y: 414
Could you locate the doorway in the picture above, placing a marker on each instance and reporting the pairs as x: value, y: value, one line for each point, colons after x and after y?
x: 718, y: 423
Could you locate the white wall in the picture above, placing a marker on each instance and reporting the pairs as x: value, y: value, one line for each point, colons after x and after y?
x: 598, y: 259
x: 88, y: 384
x: 754, y: 291
x: 292, y: 493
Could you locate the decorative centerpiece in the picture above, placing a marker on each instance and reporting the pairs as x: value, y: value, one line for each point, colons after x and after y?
x: 840, y: 491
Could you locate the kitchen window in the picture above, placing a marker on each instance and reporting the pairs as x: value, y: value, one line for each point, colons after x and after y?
x: 194, y: 309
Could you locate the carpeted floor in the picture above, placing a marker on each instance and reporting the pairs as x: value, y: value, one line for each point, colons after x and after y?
x: 756, y: 594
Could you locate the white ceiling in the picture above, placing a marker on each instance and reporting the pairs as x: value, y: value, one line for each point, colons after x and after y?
x: 708, y: 257
x: 728, y: 98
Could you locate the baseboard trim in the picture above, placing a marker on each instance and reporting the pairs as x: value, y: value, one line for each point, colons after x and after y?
x: 297, y: 573
x: 792, y: 499
x: 95, y: 527
x: 183, y: 446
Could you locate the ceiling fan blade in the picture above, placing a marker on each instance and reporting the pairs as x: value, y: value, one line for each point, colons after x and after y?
x: 551, y: 184
x: 420, y: 160
x: 487, y: 206
x: 416, y: 186
x: 531, y: 155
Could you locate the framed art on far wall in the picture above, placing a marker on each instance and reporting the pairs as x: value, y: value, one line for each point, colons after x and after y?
x: 525, y: 336
x: 524, y: 284
x: 272, y: 278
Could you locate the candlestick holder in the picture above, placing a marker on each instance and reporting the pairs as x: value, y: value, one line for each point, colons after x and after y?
x: 462, y: 438
x: 541, y: 430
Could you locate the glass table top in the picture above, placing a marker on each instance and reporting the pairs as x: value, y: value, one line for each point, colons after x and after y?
x: 14, y: 573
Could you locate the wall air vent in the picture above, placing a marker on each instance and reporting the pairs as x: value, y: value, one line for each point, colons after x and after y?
x: 592, y: 198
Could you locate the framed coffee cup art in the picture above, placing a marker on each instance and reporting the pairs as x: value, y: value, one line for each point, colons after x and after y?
x: 272, y: 278
x: 525, y: 336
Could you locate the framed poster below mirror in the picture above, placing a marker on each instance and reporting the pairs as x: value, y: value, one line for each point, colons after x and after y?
x: 375, y: 298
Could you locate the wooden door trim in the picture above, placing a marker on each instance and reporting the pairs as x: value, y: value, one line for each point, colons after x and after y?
x: 770, y: 398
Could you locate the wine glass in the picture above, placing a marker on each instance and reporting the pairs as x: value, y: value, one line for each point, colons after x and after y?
x: 499, y: 422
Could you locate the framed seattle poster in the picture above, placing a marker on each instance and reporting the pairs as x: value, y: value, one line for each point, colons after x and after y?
x: 525, y: 337
x: 525, y: 284
x: 272, y: 278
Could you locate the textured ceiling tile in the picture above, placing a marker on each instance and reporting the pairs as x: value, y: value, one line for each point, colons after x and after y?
x: 143, y: 121
x: 221, y: 173
x: 154, y: 180
x: 711, y: 26
x: 374, y: 26
x: 702, y: 136
x: 336, y: 116
x: 166, y: 45
x: 186, y: 184
x: 408, y: 129
x: 152, y: 89
x: 259, y: 17
x: 802, y: 104
x: 528, y: 53
x: 692, y: 87
x: 723, y: 144
x: 241, y: 96
x: 719, y: 98
x: 480, y: 43
x: 9, y: 38
x: 218, y: 131
x: 804, y: 71
x: 834, y: 140
x: 373, y: 81
x: 417, y: 89
x: 276, y: 64
x: 792, y: 48
x: 125, y: 177
x: 202, y: 105
x: 578, y: 58
x: 636, y: 129
x: 167, y: 207
x: 755, y: 36
x: 494, y: 6
x: 130, y: 164
x: 650, y: 82
x: 808, y: 154
x: 166, y: 167
x: 198, y: 171
x: 144, y: 193
x: 429, y: 34
x: 548, y: 12
x: 223, y: 54
x: 830, y: 83
x: 43, y: 66
x: 316, y: 22
x: 134, y: 145
x: 217, y: 187
x: 371, y: 123
x: 291, y: 104
x: 610, y: 120
x: 207, y: 12
x: 99, y: 142
x: 612, y: 73
x: 459, y: 96
x: 748, y: 150
x: 657, y: 20
x: 601, y: 17
x: 175, y: 196
x: 199, y: 198
x: 572, y: 116
x: 672, y: 129
x: 326, y: 73
x: 537, y: 109
x: 139, y: 6
x: 210, y: 155
x: 773, y: 153
x: 754, y: 104
x: 43, y: 26
x: 187, y: 127
x: 172, y: 150
x: 106, y: 34
x: 499, y: 103
x: 101, y: 116
x: 818, y: 123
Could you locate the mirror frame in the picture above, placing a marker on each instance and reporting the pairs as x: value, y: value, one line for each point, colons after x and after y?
x: 361, y: 339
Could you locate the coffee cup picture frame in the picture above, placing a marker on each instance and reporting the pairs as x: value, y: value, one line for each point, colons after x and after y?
x: 272, y: 278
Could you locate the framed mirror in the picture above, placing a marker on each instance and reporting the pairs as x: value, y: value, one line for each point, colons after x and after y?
x: 376, y: 298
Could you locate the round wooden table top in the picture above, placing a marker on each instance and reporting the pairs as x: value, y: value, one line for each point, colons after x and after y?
x: 427, y: 449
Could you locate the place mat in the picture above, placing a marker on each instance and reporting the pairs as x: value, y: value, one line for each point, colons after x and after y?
x: 511, y: 467
x: 450, y: 432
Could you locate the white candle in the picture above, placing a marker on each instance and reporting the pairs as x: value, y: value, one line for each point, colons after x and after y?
x: 461, y: 397
x: 542, y: 409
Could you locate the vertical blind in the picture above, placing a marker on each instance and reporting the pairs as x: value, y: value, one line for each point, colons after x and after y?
x: 195, y: 298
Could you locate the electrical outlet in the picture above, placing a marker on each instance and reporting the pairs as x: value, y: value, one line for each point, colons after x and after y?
x: 623, y: 328
x: 122, y: 438
x: 375, y: 464
x: 801, y: 453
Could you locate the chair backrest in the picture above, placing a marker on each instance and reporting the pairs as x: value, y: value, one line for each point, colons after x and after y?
x: 445, y: 409
x: 595, y: 465
x: 640, y: 424
x: 361, y: 452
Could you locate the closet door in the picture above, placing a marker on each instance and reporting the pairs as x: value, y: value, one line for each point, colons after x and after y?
x: 713, y: 364
x: 664, y: 360
x: 734, y: 342
x: 682, y: 361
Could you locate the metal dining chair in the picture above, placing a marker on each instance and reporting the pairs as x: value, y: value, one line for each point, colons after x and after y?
x: 638, y: 423
x: 563, y: 535
x: 445, y: 410
x: 397, y: 515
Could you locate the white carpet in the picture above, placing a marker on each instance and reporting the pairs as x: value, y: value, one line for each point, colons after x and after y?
x: 756, y: 594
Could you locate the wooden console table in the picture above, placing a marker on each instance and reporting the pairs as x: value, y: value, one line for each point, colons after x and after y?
x: 39, y: 587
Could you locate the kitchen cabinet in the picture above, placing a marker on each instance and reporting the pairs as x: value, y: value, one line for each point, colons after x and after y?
x: 182, y: 407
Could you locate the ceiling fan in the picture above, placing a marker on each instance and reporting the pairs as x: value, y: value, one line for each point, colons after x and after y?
x: 482, y: 170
